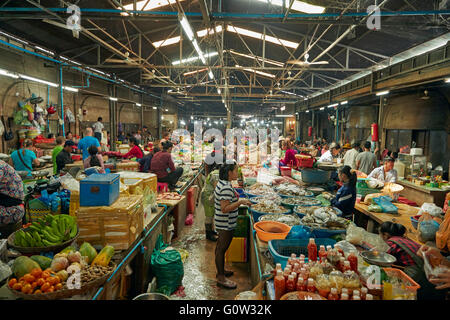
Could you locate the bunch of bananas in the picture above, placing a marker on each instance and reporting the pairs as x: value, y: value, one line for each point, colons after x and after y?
x: 53, y: 230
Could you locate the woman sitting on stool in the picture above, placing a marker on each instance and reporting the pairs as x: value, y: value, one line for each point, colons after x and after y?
x: 94, y: 160
x: 164, y: 168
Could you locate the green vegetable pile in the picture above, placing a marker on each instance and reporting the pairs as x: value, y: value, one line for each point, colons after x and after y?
x: 53, y: 230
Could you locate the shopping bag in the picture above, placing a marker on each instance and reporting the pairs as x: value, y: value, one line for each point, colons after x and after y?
x: 167, y: 266
x: 385, y: 203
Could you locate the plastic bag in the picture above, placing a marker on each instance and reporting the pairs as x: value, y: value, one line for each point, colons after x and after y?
x: 355, y: 234
x: 386, y: 205
x: 346, y: 246
x: 167, y: 266
x: 69, y: 183
x: 375, y: 208
x: 443, y: 234
x: 431, y: 208
x: 368, y: 199
x: 427, y: 230
x: 5, y: 271
x: 431, y: 271
x: 298, y: 232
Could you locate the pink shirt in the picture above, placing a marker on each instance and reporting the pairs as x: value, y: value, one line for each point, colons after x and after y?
x: 289, y: 157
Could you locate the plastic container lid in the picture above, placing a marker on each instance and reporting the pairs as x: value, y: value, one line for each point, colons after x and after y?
x: 356, y: 292
x: 333, y: 290
x: 344, y: 296
x: 369, y: 297
x: 344, y: 290
x: 279, y: 273
x: 364, y: 290
x: 356, y: 297
x: 278, y: 266
x: 290, y: 277
x: 294, y: 274
x: 293, y: 255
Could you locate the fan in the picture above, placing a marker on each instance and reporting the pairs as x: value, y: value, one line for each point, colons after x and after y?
x: 306, y: 63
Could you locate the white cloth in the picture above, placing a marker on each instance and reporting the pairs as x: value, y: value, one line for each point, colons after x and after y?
x: 98, y: 127
x: 326, y: 157
x: 378, y: 173
x: 350, y: 158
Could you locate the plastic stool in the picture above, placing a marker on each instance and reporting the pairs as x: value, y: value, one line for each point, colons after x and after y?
x: 162, y: 187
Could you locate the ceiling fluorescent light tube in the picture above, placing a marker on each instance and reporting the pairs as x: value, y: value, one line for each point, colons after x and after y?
x: 138, y: 104
x: 260, y: 36
x: 70, y: 89
x: 383, y: 93
x: 284, y: 115
x: 323, y: 108
x: 23, y: 76
x: 113, y: 99
x: 344, y: 102
x: 8, y: 74
x: 187, y: 28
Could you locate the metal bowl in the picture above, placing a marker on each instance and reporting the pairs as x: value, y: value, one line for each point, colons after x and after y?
x: 151, y: 296
x: 381, y: 259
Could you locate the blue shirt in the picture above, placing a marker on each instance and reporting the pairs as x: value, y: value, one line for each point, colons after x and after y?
x: 27, y: 158
x: 85, y: 143
x: 345, y: 200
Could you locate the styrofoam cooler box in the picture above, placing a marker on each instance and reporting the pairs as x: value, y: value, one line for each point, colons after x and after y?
x: 99, y: 190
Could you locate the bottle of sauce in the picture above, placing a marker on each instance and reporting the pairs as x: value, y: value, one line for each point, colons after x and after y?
x: 347, y: 266
x: 322, y: 253
x: 302, y: 256
x: 339, y: 249
x: 280, y: 285
x: 301, y: 261
x: 311, y: 287
x: 353, y: 261
x: 291, y: 260
x: 333, y: 294
x: 277, y: 267
x: 356, y: 297
x: 287, y: 272
x: 296, y: 268
x: 340, y: 264
x: 356, y: 293
x: 290, y: 284
x: 344, y: 296
x: 364, y: 293
x: 301, y: 284
x: 369, y: 297
x: 294, y: 274
x: 344, y: 291
x: 312, y: 250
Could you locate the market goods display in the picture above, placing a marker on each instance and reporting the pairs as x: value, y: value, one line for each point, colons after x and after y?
x: 169, y: 196
x: 272, y: 197
x: 324, y: 218
x: 268, y: 206
x: 53, y: 230
x: 288, y: 219
x: 60, y: 280
x: 301, y: 201
x: 259, y: 189
x: 292, y: 190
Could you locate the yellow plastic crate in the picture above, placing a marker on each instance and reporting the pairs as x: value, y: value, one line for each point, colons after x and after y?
x: 237, y: 252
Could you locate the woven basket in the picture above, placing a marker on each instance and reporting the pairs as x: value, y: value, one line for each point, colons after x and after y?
x: 37, y: 250
x: 65, y: 293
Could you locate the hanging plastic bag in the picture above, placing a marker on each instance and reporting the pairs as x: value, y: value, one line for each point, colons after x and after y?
x: 70, y: 116
x: 167, y: 266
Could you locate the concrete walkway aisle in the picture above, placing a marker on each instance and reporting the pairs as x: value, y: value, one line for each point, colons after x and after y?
x: 199, y: 267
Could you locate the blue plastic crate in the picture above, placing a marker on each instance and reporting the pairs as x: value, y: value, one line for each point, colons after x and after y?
x: 281, y: 250
x: 99, y: 190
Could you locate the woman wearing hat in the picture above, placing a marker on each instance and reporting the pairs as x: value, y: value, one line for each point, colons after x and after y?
x: 385, y: 173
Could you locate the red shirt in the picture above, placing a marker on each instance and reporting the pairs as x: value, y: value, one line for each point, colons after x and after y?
x: 135, y: 152
x: 403, y: 258
x: 161, y: 161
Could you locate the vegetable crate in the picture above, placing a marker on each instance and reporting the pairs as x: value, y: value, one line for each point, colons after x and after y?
x: 118, y: 225
x: 281, y: 250
x: 127, y: 166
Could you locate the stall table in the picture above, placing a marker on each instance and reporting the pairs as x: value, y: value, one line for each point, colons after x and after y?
x: 405, y: 212
x: 423, y: 194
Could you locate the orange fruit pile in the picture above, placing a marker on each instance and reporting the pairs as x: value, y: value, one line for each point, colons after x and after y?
x: 37, y: 281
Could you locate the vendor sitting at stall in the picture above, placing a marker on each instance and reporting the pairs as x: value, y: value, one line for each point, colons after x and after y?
x: 145, y: 162
x: 56, y: 150
x: 164, y: 168
x: 65, y: 156
x: 385, y: 173
x: 135, y: 151
x: 335, y: 148
x: 346, y: 196
x: 94, y: 160
x: 24, y: 158
x: 11, y: 200
x: 289, y: 157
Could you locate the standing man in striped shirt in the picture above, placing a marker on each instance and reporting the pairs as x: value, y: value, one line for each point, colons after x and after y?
x: 226, y: 203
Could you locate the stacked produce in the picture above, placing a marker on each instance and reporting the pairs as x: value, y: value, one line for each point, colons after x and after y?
x: 260, y: 189
x: 289, y: 219
x: 267, y: 206
x: 49, y: 231
x: 31, y: 279
x: 289, y: 189
x: 302, y: 201
x: 324, y: 218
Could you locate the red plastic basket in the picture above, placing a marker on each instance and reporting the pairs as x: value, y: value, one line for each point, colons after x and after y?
x: 76, y: 157
x: 305, y: 163
x: 49, y: 141
x: 286, y: 171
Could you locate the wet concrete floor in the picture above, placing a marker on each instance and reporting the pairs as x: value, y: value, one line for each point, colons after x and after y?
x: 199, y: 268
